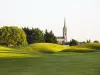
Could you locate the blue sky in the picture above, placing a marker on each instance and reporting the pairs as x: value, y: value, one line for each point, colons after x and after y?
x: 82, y: 16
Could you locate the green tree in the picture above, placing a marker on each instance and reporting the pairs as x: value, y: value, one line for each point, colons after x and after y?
x: 38, y: 35
x: 34, y: 35
x: 28, y: 34
x: 73, y: 42
x: 88, y: 41
x: 96, y: 41
x: 49, y: 37
x: 12, y: 36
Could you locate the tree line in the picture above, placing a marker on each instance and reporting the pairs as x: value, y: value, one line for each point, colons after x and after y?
x: 14, y: 36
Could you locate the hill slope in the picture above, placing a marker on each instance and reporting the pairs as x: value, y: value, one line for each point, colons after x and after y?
x: 50, y: 48
x: 46, y: 47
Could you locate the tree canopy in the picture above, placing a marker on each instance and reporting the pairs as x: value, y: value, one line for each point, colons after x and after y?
x: 34, y: 35
x: 49, y: 37
x: 12, y: 36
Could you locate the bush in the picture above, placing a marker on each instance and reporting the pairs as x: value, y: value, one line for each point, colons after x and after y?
x: 96, y: 41
x: 73, y: 42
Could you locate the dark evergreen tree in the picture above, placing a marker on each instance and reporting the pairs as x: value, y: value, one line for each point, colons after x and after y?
x: 49, y: 37
x: 28, y: 34
x: 34, y: 35
x: 89, y: 41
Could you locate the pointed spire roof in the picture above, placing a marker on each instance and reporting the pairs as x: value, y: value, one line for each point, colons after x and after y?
x: 64, y: 24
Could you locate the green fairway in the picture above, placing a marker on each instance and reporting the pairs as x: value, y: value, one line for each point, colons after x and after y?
x: 64, y: 60
x: 62, y: 63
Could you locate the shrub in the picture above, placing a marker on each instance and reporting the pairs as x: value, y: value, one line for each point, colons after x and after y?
x: 73, y: 42
x: 96, y: 41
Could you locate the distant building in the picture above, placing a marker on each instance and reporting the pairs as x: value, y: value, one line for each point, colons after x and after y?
x: 63, y: 39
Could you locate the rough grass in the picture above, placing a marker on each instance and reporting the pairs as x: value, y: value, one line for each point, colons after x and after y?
x: 46, y: 47
x: 52, y: 48
x: 6, y: 52
x: 90, y: 45
x: 5, y: 48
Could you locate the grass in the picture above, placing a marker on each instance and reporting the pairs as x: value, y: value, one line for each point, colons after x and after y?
x: 30, y: 61
x: 62, y: 63
x: 52, y: 48
x: 90, y: 45
x: 6, y: 52
x: 45, y: 47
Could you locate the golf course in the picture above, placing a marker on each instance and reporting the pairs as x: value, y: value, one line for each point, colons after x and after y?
x: 50, y: 59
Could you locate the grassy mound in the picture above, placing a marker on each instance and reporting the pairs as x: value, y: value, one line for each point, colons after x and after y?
x: 90, y: 45
x: 46, y: 47
x: 51, y: 48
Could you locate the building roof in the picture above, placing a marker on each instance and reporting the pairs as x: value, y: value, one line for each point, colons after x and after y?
x: 59, y: 37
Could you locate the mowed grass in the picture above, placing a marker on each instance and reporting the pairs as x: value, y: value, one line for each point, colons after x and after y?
x: 62, y: 63
x: 29, y: 61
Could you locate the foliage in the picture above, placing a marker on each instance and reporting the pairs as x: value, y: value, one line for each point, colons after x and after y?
x: 73, y: 42
x: 12, y: 36
x: 49, y: 37
x: 28, y: 35
x: 34, y: 35
x: 96, y: 41
x: 88, y: 41
x: 38, y: 35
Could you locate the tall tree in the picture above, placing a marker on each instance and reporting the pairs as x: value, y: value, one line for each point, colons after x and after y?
x: 49, y: 37
x: 38, y: 35
x: 28, y: 34
x: 34, y: 35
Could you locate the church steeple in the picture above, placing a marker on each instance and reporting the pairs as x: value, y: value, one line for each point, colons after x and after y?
x: 65, y: 31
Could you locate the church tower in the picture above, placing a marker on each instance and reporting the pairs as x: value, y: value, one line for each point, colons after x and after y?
x: 65, y: 31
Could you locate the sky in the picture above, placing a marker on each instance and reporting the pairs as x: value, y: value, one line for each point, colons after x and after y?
x: 82, y: 16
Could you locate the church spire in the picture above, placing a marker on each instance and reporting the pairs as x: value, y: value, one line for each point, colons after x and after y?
x: 64, y: 22
x: 65, y: 31
x: 65, y: 28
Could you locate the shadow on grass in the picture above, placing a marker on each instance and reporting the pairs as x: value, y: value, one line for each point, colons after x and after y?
x: 48, y: 52
x: 78, y: 51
